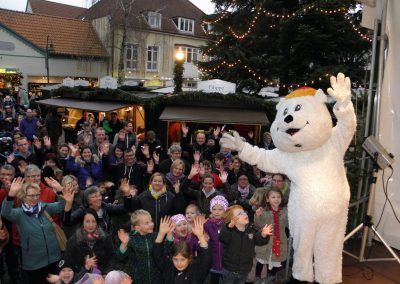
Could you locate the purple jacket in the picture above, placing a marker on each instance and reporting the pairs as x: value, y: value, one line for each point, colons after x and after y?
x: 192, y: 241
x: 28, y: 127
x: 213, y: 228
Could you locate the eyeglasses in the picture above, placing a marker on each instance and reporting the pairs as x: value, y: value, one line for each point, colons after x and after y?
x: 33, y: 195
x: 33, y: 176
x: 243, y: 213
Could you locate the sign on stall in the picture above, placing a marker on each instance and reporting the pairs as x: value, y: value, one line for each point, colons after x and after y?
x: 68, y: 82
x: 216, y: 86
x: 108, y: 82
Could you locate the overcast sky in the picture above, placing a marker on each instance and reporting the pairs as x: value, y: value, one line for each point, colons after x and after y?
x: 19, y: 5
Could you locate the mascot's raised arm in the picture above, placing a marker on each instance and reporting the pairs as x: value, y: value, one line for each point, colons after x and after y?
x: 310, y: 151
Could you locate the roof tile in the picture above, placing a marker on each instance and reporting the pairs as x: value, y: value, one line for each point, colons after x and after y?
x: 56, y: 9
x: 69, y: 36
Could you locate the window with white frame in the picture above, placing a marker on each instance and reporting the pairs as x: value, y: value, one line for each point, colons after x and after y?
x: 153, y: 19
x: 184, y: 25
x: 191, y: 53
x: 131, y: 56
x: 152, y: 58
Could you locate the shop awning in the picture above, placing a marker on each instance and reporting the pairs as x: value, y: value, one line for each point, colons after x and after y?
x: 214, y: 115
x: 84, y: 105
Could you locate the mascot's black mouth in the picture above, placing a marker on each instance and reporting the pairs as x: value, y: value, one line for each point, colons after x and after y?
x: 292, y: 131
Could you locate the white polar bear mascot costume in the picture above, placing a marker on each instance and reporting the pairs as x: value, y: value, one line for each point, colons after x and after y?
x: 310, y: 152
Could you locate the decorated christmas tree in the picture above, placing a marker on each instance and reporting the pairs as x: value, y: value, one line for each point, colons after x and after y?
x: 286, y: 43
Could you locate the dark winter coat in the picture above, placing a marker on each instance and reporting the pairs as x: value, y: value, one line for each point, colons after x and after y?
x: 139, y: 252
x: 200, y: 198
x: 239, y: 248
x: 195, y: 273
x: 72, y: 218
x: 78, y: 249
x: 166, y: 204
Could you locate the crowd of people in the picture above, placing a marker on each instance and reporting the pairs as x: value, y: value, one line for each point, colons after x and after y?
x: 131, y: 211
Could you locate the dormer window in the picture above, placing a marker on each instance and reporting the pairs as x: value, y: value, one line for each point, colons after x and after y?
x: 153, y: 19
x: 184, y: 24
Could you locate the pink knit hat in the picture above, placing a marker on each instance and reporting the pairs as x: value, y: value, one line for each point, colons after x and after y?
x: 178, y: 218
x: 219, y: 200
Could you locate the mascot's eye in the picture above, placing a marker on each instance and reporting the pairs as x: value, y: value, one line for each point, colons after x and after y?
x: 297, y: 108
x: 285, y: 111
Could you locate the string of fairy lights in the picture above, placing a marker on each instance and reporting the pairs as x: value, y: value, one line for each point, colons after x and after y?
x: 286, y: 16
x: 283, y: 16
x: 268, y: 82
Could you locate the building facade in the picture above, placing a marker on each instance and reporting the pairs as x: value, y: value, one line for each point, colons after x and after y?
x: 148, y: 36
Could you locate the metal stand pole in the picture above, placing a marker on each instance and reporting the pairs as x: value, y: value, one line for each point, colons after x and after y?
x: 368, y: 225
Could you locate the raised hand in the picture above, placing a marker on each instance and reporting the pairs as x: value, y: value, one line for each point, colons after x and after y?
x: 123, y: 236
x: 37, y: 143
x: 177, y: 186
x: 150, y: 166
x: 185, y: 129
x: 156, y: 158
x: 198, y: 228
x: 99, y: 280
x: 90, y: 262
x: 259, y: 211
x: 47, y: 142
x: 165, y: 225
x: 53, y: 279
x: 267, y: 230
x: 234, y: 142
x: 124, y: 186
x: 217, y: 131
x: 105, y: 148
x: 250, y: 134
x: 68, y: 193
x: 145, y: 150
x: 54, y: 184
x: 223, y: 176
x: 73, y: 148
x: 16, y: 186
x: 341, y: 88
x: 196, y: 157
x: 194, y: 171
x: 10, y: 158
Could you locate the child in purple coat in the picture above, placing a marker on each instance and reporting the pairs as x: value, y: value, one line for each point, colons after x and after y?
x: 213, y: 226
x: 182, y: 233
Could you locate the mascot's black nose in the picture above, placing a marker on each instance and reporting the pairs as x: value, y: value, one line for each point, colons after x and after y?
x: 288, y: 119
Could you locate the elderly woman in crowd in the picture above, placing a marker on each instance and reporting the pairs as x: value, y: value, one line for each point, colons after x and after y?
x: 40, y: 249
x: 93, y: 199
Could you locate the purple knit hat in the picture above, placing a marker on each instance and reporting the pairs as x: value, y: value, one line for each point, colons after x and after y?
x: 178, y: 218
x: 219, y: 200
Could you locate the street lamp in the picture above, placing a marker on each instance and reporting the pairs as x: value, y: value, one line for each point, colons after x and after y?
x: 49, y: 50
x: 178, y: 71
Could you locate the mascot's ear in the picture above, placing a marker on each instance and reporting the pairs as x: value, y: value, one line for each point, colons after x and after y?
x: 280, y: 102
x: 320, y: 96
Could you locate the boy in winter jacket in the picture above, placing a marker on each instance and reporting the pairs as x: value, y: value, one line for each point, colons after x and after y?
x: 239, y: 239
x: 138, y: 246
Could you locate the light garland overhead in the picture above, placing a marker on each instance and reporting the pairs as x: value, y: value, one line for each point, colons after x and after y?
x: 241, y: 36
x: 265, y: 80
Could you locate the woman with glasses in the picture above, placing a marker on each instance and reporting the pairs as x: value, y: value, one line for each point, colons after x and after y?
x: 40, y: 249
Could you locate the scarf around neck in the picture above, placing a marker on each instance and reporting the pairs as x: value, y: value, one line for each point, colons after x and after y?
x: 173, y: 179
x: 32, y: 210
x: 157, y: 194
x: 244, y: 192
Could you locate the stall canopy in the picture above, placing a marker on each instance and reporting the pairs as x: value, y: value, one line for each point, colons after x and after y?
x: 214, y: 115
x: 84, y: 105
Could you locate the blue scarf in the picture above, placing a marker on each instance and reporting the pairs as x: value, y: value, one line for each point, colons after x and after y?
x: 31, y: 210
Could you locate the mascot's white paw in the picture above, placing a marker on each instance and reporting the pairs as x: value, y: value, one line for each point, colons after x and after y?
x: 341, y: 89
x: 235, y: 142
